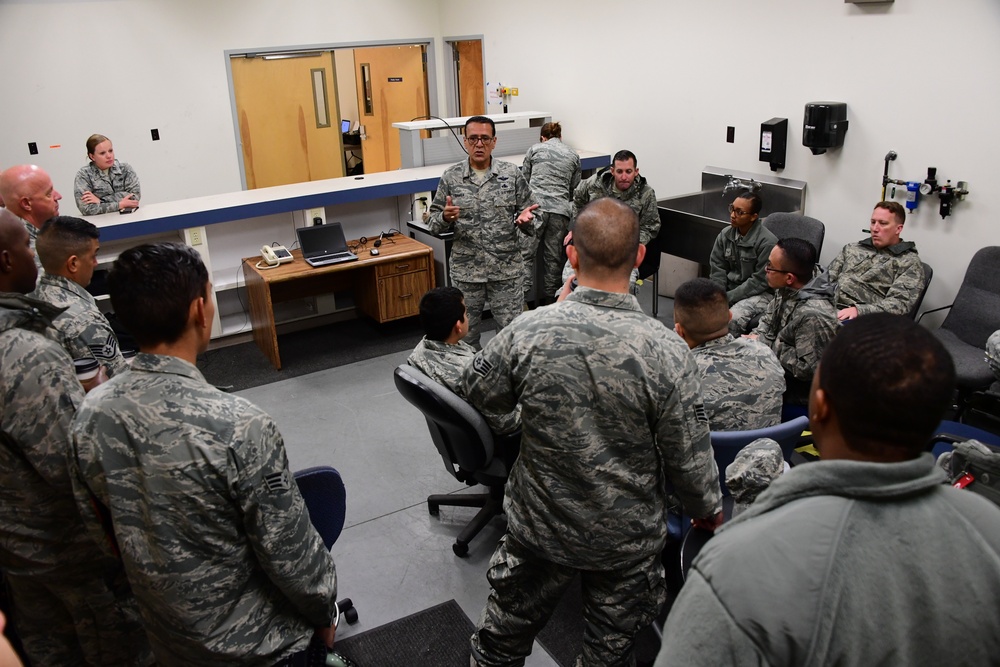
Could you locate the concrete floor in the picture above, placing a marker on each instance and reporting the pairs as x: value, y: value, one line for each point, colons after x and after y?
x: 393, y: 558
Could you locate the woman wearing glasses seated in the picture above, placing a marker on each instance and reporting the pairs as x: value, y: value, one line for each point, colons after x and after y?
x: 105, y: 184
x: 738, y: 258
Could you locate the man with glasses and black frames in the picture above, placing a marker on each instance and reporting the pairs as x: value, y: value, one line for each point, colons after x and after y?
x: 738, y: 258
x: 486, y: 203
x: 801, y: 319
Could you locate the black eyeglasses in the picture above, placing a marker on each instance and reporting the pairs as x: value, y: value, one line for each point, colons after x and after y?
x: 472, y: 141
x: 771, y: 269
x: 738, y: 212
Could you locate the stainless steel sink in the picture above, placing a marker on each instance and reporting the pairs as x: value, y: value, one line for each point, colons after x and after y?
x: 690, y: 222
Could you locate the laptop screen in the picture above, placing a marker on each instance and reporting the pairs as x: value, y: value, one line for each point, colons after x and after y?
x: 322, y: 239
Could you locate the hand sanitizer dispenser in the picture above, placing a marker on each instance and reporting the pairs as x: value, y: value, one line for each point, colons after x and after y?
x: 824, y: 126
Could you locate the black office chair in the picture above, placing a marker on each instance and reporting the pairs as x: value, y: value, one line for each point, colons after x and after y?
x: 796, y: 225
x: 470, y: 451
x: 928, y: 274
x: 650, y: 266
x: 323, y: 491
x: 973, y: 316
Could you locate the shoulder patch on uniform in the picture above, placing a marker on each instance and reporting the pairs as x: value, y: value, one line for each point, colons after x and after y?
x: 481, y: 366
x: 700, y: 414
x: 277, y: 482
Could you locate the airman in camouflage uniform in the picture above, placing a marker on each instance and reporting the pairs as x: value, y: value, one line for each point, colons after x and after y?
x: 755, y: 467
x: 486, y: 203
x: 68, y: 249
x: 110, y: 186
x: 552, y: 169
x: 742, y: 380
x: 72, y: 602
x: 212, y: 530
x: 612, y: 416
x: 993, y: 353
x: 622, y: 181
x: 801, y: 319
x: 742, y: 383
x: 878, y: 274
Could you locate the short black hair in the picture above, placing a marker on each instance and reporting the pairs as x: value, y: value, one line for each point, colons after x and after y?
x: 152, y: 287
x: 481, y: 119
x: 756, y: 203
x: 702, y: 308
x: 800, y: 257
x: 440, y: 309
x: 62, y: 237
x: 889, y: 382
x: 623, y: 156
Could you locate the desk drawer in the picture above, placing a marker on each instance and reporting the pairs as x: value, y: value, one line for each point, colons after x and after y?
x: 398, y: 267
x: 399, y: 296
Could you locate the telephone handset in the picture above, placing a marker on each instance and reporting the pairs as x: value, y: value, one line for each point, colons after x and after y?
x: 275, y: 255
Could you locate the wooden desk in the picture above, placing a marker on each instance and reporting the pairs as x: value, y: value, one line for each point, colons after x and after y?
x: 387, y: 287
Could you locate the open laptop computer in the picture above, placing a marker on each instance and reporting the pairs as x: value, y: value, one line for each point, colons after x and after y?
x: 324, y: 244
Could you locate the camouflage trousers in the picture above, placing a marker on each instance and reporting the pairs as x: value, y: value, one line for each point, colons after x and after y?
x: 526, y: 588
x: 549, y: 233
x: 506, y: 299
x: 88, y: 617
x: 747, y: 313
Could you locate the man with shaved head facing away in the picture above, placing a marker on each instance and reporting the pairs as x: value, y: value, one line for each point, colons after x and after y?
x: 742, y: 380
x: 611, y: 413
x: 72, y: 603
x: 867, y: 556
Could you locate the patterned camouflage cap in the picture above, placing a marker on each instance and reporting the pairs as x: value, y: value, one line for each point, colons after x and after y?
x: 756, y: 466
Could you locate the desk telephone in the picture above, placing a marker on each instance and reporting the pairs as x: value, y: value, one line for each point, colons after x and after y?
x: 275, y: 255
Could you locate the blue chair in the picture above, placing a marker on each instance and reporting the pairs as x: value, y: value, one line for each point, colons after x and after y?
x: 949, y: 432
x: 323, y: 491
x: 727, y: 444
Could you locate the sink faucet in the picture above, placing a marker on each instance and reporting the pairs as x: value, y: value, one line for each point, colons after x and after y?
x: 733, y: 183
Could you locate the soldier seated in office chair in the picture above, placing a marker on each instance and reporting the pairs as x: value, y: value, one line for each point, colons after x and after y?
x: 442, y: 355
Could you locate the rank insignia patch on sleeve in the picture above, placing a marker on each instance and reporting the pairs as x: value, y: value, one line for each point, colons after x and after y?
x: 481, y: 366
x: 277, y: 482
x: 700, y: 414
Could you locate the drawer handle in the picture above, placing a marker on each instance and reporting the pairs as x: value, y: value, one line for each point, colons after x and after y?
x: 402, y: 266
x: 406, y: 296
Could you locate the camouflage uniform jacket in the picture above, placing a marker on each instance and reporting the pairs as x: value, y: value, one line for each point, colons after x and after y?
x: 110, y: 187
x: 445, y: 364
x: 797, y: 325
x: 887, y: 280
x: 737, y: 262
x: 639, y: 197
x: 993, y: 353
x: 33, y: 238
x: 612, y: 416
x: 742, y: 383
x: 40, y: 528
x: 214, y: 535
x: 84, y: 329
x: 552, y: 169
x: 485, y: 246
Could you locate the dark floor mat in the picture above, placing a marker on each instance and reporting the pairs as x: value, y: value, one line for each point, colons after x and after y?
x: 435, y: 637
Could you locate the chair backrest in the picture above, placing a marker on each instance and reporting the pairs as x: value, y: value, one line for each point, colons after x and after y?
x: 461, y: 435
x: 727, y: 444
x: 796, y: 225
x: 928, y: 274
x: 654, y: 250
x: 976, y: 311
x: 326, y: 499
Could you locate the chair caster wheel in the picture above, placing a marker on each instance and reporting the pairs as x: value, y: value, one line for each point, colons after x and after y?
x: 345, y: 604
x: 351, y: 615
x: 433, y: 509
x: 461, y: 550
